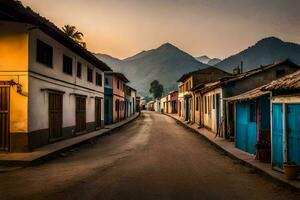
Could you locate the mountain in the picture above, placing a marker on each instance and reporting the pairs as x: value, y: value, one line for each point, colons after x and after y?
x: 208, y: 61
x: 265, y: 51
x: 166, y: 64
x: 214, y: 61
x: 203, y: 59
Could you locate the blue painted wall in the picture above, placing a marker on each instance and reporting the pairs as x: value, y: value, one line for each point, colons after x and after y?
x: 246, y: 131
x: 277, y: 135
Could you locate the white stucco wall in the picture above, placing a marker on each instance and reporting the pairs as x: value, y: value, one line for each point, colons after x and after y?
x: 42, y: 77
x: 210, y: 120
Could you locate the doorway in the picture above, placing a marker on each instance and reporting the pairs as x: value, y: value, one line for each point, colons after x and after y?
x: 4, y: 115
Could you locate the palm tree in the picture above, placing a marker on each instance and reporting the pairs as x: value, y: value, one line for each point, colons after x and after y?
x: 73, y: 33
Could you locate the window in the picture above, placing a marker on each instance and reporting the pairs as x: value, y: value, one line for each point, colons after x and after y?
x: 44, y: 53
x: 280, y: 73
x: 117, y: 105
x: 89, y: 74
x: 79, y: 68
x: 106, y: 81
x: 67, y: 65
x: 118, y: 84
x: 252, y: 112
x: 197, y: 103
x: 99, y: 79
x: 214, y: 101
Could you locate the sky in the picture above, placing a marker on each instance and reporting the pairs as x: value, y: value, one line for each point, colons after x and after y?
x: 217, y: 28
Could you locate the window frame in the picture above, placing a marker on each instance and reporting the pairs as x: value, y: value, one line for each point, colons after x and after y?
x: 40, y: 57
x: 79, y: 70
x: 90, y: 76
x: 67, y: 69
x: 98, y: 82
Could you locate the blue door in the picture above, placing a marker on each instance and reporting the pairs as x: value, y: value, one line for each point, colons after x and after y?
x: 293, y: 132
x: 277, y: 135
x: 246, y: 127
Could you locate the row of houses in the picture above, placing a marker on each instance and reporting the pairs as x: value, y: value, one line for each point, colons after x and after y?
x: 51, y: 88
x: 258, y: 110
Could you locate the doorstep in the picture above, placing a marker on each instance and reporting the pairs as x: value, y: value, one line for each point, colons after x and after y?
x: 243, y: 157
x: 45, y: 152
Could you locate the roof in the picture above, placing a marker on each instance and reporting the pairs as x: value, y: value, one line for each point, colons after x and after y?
x: 119, y: 75
x: 200, y: 71
x: 14, y: 11
x: 247, y: 74
x: 288, y: 82
x: 260, y: 69
x: 250, y: 95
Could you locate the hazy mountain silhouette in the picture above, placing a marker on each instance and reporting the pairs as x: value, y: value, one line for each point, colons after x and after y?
x: 166, y: 64
x: 207, y: 60
x: 265, y: 51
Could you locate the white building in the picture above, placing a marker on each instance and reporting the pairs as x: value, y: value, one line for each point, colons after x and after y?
x: 55, y: 87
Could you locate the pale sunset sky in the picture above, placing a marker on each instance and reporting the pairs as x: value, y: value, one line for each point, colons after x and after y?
x: 217, y: 28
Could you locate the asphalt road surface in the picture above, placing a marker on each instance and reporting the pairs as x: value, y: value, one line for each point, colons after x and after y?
x: 151, y: 158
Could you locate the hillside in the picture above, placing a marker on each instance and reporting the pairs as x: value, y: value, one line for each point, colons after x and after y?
x: 264, y: 52
x: 167, y: 64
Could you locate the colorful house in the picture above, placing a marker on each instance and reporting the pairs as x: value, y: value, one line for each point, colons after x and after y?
x: 233, y: 86
x: 163, y: 104
x: 118, y: 84
x: 130, y: 102
x: 285, y: 119
x: 51, y: 88
x: 252, y: 122
x: 188, y: 82
x: 172, y: 102
x: 108, y: 99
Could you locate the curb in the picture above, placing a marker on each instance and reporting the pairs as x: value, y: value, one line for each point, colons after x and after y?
x: 51, y: 155
x: 232, y: 156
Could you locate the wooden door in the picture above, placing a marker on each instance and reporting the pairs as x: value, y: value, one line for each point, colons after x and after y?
x: 4, y: 115
x: 98, y: 112
x: 80, y: 114
x: 55, y: 115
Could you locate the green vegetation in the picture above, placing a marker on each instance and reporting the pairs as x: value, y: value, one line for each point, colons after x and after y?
x: 156, y: 89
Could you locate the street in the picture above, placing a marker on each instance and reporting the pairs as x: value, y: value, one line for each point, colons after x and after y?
x: 150, y: 158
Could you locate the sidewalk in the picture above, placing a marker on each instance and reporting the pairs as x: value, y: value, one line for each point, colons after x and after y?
x: 47, y: 151
x: 243, y: 157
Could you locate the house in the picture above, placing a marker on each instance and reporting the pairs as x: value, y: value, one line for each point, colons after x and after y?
x: 108, y: 99
x: 150, y: 106
x: 157, y: 107
x: 285, y: 119
x: 130, y: 102
x: 186, y: 85
x: 172, y: 102
x: 252, y: 122
x: 118, y: 97
x: 138, y: 104
x: 163, y: 104
x: 51, y: 88
x: 217, y: 114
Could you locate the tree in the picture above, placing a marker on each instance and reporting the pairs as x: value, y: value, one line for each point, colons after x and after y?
x: 156, y: 89
x: 73, y: 33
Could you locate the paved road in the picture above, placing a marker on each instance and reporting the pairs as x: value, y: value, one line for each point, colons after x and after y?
x: 152, y: 158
